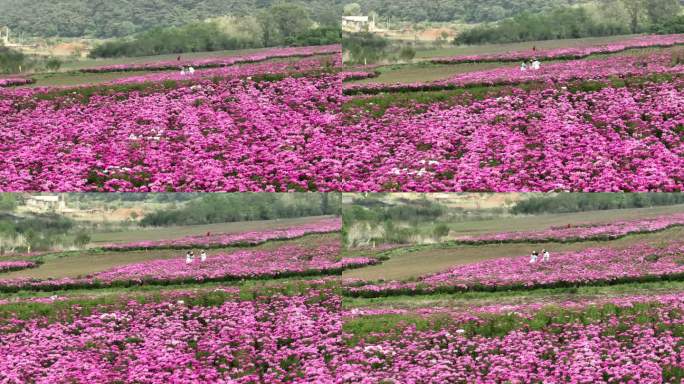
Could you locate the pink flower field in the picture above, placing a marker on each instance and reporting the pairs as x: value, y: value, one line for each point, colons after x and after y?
x: 238, y: 135
x: 640, y: 262
x: 303, y: 339
x: 554, y: 73
x: 282, y: 261
x: 613, y: 139
x: 589, y: 232
x: 290, y: 135
x: 269, y: 54
x: 646, y: 41
x: 8, y: 266
x: 235, y: 239
x: 238, y: 71
x: 15, y: 81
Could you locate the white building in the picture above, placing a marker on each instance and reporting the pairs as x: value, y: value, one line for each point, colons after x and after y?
x: 46, y: 203
x: 358, y: 24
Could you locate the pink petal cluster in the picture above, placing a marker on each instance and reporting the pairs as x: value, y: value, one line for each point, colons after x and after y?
x: 570, y: 233
x: 554, y: 73
x: 269, y: 341
x: 269, y: 54
x: 356, y: 75
x: 640, y: 262
x: 235, y: 239
x: 15, y: 81
x: 295, y: 135
x: 613, y: 139
x: 246, y: 70
x: 645, y: 41
x: 301, y: 340
x: 237, y: 135
x: 283, y: 261
x: 7, y: 266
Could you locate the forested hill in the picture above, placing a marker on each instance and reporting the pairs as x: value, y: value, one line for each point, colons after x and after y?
x: 471, y: 11
x: 113, y: 18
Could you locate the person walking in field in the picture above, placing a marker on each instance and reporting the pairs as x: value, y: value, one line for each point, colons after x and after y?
x: 536, y: 65
x: 188, y: 258
x: 523, y: 67
x: 534, y: 257
x: 546, y: 256
x: 191, y: 70
x: 203, y: 256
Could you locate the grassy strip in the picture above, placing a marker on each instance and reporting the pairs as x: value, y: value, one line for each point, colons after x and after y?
x: 466, y: 299
x: 243, y: 244
x: 557, y: 240
x: 375, y: 328
x: 175, y: 66
x: 423, y: 289
x: 377, y: 105
x: 541, y: 58
x: 84, y: 93
x: 86, y: 301
x: 46, y: 286
x: 66, y: 310
x: 575, y: 84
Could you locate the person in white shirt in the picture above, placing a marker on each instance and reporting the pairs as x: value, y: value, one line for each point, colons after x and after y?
x: 188, y: 258
x: 203, y: 256
x: 546, y: 256
x: 191, y: 70
x: 523, y: 66
x: 536, y: 65
x: 534, y: 257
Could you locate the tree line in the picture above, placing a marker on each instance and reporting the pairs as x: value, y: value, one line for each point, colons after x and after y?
x: 609, y: 17
x: 279, y: 25
x: 581, y: 202
x: 118, y: 18
x: 234, y: 207
x: 39, y: 233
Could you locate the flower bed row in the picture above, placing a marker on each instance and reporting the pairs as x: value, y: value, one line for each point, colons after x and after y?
x: 15, y: 81
x: 596, y: 266
x: 610, y: 139
x: 9, y: 266
x: 221, y: 240
x: 276, y: 53
x: 555, y: 73
x: 594, y: 232
x: 357, y: 75
x: 237, y: 135
x: 303, y: 339
x: 232, y: 72
x: 284, y: 261
x: 292, y: 135
x: 647, y: 41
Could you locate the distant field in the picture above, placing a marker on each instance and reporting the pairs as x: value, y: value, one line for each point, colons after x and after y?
x: 165, y: 233
x: 69, y: 74
x: 497, y: 48
x: 526, y: 223
x: 433, y: 258
x: 424, y: 71
x: 86, y: 63
x: 82, y: 263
